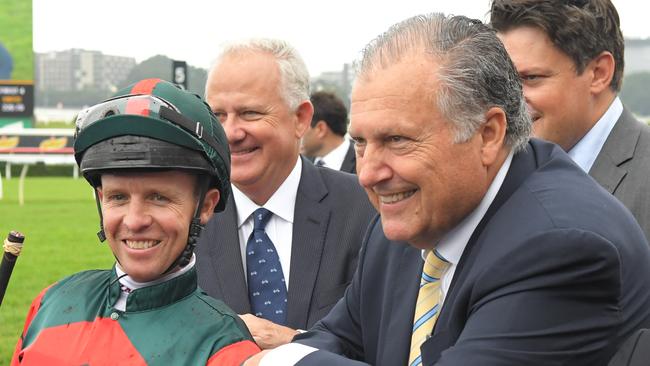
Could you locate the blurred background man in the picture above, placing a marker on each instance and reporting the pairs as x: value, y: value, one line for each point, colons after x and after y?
x: 569, y: 55
x: 286, y: 246
x: 325, y: 142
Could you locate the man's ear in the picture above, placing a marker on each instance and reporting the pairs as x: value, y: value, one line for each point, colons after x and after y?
x: 493, y: 134
x: 602, y: 69
x: 304, y: 113
x: 321, y: 129
x: 212, y: 197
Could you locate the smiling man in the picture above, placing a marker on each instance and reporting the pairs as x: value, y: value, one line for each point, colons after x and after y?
x: 490, y: 249
x: 286, y: 247
x: 570, y: 57
x: 157, y: 182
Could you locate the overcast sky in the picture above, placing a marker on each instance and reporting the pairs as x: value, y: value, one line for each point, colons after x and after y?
x: 327, y: 32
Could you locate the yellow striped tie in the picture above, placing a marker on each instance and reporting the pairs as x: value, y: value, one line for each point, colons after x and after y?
x: 427, y: 306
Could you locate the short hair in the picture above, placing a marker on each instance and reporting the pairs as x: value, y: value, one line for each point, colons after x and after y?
x: 581, y: 29
x: 331, y: 109
x: 294, y: 76
x: 474, y: 75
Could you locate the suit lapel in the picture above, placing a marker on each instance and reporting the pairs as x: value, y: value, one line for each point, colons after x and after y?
x: 310, y: 223
x: 349, y: 162
x: 446, y: 331
x: 402, y: 307
x: 618, y: 148
x: 227, y: 260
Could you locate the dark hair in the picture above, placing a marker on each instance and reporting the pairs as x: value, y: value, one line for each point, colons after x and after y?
x: 582, y: 29
x: 330, y: 108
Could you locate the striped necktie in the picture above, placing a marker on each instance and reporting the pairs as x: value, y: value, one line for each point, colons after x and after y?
x: 428, y: 304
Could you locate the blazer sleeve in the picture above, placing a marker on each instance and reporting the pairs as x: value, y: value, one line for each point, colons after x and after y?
x: 555, y: 304
x: 339, y: 333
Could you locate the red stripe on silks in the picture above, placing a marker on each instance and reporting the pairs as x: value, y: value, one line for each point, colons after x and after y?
x: 33, y: 309
x: 100, y: 342
x: 234, y: 354
x: 145, y: 86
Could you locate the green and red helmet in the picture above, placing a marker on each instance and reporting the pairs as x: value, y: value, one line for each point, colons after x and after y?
x: 153, y: 125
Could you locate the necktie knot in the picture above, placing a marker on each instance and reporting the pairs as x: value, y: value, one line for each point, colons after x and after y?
x: 320, y: 162
x: 261, y: 217
x: 435, y: 265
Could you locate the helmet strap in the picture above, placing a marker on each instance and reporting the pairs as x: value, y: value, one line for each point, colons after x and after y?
x: 100, y: 234
x: 195, y: 228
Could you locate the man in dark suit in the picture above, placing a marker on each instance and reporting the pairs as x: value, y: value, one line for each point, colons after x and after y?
x: 325, y: 142
x: 569, y: 55
x: 289, y: 272
x: 490, y: 249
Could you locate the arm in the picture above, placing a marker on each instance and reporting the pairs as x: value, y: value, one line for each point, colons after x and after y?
x: 333, y: 338
x: 267, y: 334
x: 33, y: 310
x: 551, y: 300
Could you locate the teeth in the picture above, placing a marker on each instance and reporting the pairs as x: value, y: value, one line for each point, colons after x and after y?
x: 246, y: 151
x: 141, y: 244
x: 396, y: 197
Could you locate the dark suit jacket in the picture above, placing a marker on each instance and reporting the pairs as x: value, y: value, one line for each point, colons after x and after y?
x: 332, y: 213
x: 623, y: 166
x: 635, y: 351
x: 350, y: 161
x: 556, y: 273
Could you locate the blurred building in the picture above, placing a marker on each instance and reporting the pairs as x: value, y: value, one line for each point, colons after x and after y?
x: 337, y: 82
x: 637, y: 55
x: 78, y: 69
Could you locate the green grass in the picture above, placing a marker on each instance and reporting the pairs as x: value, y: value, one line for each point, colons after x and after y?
x: 59, y: 220
x: 16, y: 34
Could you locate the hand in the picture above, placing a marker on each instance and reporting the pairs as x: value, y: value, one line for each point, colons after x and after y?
x: 255, y: 359
x: 267, y: 334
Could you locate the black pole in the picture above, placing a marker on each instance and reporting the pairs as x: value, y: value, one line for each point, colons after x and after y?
x: 8, y: 262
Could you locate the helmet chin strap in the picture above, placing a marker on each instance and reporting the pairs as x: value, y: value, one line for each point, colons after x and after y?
x: 100, y: 234
x: 195, y: 229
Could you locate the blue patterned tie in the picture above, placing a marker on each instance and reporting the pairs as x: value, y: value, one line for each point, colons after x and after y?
x: 266, y: 288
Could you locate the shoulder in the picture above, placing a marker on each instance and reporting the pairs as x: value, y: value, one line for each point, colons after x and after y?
x: 81, y: 282
x: 210, y: 310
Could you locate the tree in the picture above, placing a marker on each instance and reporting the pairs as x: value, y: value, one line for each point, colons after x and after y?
x: 161, y: 67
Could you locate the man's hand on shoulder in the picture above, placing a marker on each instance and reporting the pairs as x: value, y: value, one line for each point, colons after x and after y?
x: 267, y: 334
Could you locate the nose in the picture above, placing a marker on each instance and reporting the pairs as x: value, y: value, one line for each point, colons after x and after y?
x: 373, y: 167
x: 233, y: 128
x: 137, y: 218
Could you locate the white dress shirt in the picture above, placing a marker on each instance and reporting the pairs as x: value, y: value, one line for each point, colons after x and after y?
x: 280, y: 226
x: 584, y: 153
x: 451, y: 247
x: 334, y: 159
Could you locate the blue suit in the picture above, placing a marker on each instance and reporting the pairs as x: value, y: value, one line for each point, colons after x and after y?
x: 556, y: 273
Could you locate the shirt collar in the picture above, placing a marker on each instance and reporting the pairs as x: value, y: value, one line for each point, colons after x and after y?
x: 281, y: 203
x: 584, y: 153
x: 154, y: 294
x: 453, y: 244
x: 334, y: 159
